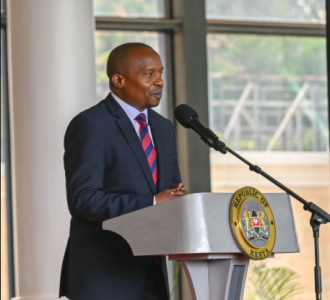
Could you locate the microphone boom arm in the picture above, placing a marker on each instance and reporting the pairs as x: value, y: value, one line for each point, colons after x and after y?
x: 319, y: 216
x: 188, y: 118
x: 307, y: 205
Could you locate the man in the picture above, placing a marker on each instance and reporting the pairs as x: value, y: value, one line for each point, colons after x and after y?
x: 120, y: 156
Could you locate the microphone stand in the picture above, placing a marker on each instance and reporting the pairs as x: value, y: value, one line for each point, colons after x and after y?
x: 319, y: 216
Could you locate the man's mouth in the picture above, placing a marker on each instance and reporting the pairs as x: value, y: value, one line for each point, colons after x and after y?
x: 157, y: 94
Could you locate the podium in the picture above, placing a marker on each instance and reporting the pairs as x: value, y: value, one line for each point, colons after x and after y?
x: 195, y: 230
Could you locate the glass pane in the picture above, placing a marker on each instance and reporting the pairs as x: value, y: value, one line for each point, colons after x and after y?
x: 105, y: 41
x: 130, y: 8
x: 309, y: 11
x: 269, y: 75
x: 268, y: 101
x: 4, y: 257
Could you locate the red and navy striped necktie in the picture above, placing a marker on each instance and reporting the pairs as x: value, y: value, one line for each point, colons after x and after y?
x: 147, y: 146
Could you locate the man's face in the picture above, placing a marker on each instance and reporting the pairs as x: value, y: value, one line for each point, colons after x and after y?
x: 142, y: 82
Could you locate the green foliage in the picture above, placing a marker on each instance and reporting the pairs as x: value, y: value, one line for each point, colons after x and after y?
x: 284, y: 10
x: 273, y: 283
x: 128, y: 8
x: 266, y: 55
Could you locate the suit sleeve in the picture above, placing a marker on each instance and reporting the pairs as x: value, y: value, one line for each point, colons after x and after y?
x: 176, y: 178
x: 84, y: 162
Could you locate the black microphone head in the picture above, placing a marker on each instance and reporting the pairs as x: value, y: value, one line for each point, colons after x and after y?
x: 183, y: 113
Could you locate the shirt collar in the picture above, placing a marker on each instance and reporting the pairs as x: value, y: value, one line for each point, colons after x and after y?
x: 130, y: 111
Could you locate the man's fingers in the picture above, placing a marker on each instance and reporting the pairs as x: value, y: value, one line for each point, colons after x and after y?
x: 181, y: 193
x: 179, y: 187
x: 178, y: 193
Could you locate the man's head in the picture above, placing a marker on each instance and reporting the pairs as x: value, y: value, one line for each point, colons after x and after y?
x: 135, y: 75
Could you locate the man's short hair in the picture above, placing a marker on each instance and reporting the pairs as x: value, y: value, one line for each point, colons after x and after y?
x: 117, y: 61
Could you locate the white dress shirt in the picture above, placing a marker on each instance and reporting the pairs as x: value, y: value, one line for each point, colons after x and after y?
x: 132, y: 113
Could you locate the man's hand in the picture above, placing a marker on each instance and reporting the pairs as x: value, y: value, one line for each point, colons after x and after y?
x: 170, y: 194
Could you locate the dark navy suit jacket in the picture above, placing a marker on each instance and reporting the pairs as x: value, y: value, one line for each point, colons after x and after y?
x: 107, y: 175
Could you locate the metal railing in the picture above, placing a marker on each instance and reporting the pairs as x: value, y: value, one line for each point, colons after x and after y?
x: 266, y: 113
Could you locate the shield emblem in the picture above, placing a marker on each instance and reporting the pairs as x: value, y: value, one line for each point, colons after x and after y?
x: 255, y: 221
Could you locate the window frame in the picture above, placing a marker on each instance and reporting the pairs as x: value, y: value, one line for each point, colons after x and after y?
x: 7, y: 159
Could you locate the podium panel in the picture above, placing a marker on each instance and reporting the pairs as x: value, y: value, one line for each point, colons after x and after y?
x: 195, y: 230
x: 197, y: 223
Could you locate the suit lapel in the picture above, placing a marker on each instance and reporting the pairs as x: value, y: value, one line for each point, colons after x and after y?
x: 126, y: 127
x: 160, y: 145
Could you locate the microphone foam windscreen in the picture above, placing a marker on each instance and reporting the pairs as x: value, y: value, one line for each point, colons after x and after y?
x: 183, y: 113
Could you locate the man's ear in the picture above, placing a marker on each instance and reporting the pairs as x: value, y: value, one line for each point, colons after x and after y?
x: 118, y: 80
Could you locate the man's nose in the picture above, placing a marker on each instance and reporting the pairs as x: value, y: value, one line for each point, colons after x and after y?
x: 159, y: 82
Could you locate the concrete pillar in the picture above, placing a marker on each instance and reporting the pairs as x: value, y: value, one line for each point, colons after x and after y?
x: 52, y: 78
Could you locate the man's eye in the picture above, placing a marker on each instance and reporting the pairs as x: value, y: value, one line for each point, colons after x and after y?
x: 149, y: 74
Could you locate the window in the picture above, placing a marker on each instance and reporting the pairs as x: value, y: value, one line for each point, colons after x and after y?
x: 268, y: 100
x: 269, y: 93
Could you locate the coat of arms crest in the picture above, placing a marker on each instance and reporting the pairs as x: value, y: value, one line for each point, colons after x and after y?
x: 255, y: 223
x: 252, y: 223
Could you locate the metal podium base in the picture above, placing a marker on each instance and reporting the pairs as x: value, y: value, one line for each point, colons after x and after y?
x: 215, y: 277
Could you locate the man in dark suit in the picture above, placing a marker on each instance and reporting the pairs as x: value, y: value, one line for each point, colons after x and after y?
x: 120, y: 156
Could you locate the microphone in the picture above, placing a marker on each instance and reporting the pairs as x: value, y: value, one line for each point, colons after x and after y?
x: 188, y: 118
